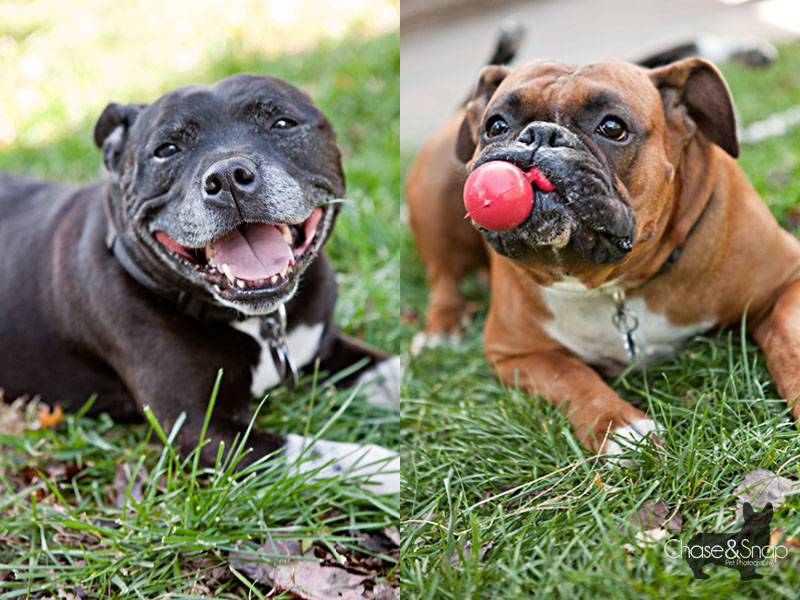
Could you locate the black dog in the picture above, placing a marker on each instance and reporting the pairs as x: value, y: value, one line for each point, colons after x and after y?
x: 203, y: 250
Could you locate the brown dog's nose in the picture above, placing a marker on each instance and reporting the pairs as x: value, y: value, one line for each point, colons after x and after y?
x: 236, y: 176
x: 542, y: 133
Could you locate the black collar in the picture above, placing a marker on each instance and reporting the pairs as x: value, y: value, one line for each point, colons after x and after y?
x: 676, y: 253
x: 273, y: 327
x: 188, y: 304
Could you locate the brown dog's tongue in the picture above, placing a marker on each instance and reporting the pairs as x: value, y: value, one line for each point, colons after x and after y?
x: 254, y: 251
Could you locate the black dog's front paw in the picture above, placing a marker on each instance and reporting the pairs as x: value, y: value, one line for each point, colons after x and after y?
x: 381, y: 383
x: 377, y: 468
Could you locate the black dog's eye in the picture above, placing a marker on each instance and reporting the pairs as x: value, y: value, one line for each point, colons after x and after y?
x: 613, y: 129
x: 496, y: 126
x: 166, y: 150
x: 284, y: 124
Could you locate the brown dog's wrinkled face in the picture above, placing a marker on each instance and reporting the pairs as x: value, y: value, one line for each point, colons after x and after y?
x: 609, y: 136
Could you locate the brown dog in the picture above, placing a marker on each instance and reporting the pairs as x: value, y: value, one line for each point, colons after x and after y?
x: 652, y: 234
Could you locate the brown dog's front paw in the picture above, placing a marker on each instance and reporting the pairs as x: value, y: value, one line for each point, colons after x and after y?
x: 426, y: 339
x: 629, y: 435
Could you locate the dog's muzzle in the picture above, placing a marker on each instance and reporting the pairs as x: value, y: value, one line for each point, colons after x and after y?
x: 584, y: 210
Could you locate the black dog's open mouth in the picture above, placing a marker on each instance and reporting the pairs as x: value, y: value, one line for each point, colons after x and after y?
x: 252, y: 256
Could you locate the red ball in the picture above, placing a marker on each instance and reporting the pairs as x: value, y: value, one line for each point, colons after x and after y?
x: 498, y: 196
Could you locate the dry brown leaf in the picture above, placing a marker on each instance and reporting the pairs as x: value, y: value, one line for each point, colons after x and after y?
x: 409, y: 315
x: 657, y: 515
x: 777, y: 537
x: 301, y: 575
x: 464, y: 551
x: 377, y: 542
x: 384, y: 591
x: 762, y: 486
x: 12, y: 416
x: 122, y: 479
x: 393, y: 534
x: 50, y: 419
x: 654, y: 522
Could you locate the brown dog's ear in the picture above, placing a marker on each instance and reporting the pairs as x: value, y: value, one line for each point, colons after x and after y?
x: 111, y: 130
x: 490, y: 78
x: 698, y: 88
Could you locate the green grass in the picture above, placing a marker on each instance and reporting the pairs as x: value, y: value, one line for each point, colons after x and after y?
x: 496, y: 467
x: 82, y: 529
x: 66, y: 531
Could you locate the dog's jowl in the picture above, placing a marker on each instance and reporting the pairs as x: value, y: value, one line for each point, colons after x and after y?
x: 201, y: 250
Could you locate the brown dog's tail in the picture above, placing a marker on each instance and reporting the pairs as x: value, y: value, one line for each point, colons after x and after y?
x: 512, y: 32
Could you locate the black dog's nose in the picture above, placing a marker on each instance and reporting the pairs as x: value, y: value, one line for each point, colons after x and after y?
x: 236, y: 175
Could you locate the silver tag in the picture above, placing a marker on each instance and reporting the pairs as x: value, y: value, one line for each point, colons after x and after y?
x: 626, y: 322
x: 274, y: 330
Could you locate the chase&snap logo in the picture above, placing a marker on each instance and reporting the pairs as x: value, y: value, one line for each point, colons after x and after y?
x: 744, y: 550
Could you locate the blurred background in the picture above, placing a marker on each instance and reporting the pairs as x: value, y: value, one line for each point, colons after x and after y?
x: 444, y: 43
x: 61, y: 63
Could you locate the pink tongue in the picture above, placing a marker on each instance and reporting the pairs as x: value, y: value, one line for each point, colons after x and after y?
x: 256, y: 252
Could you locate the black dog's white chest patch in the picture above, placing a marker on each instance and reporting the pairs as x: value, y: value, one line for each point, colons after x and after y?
x: 303, y: 342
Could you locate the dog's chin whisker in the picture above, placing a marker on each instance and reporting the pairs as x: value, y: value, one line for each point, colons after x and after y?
x: 333, y: 201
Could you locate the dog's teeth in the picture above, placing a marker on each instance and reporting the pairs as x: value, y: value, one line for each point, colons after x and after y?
x: 228, y: 273
x: 273, y: 279
x: 286, y: 232
x: 240, y: 284
x: 259, y: 282
x: 285, y: 272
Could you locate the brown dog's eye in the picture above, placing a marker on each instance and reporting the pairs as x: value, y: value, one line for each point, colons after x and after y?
x: 166, y: 150
x: 613, y: 129
x: 284, y: 124
x: 496, y: 126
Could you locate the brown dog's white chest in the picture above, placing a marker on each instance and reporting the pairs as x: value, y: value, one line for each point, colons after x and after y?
x: 583, y: 323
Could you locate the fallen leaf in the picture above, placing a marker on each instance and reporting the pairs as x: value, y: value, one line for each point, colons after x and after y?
x: 384, y: 591
x: 301, y: 575
x: 654, y: 521
x: 74, y: 594
x: 393, y: 534
x: 12, y: 416
x: 409, y: 315
x: 762, y: 486
x: 464, y: 552
x: 48, y: 419
x: 122, y: 479
x: 377, y: 542
x: 777, y: 537
x: 657, y: 515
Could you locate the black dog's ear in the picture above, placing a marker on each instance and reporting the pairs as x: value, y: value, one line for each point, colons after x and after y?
x: 748, y: 511
x: 111, y: 130
x: 697, y: 89
x: 488, y: 81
